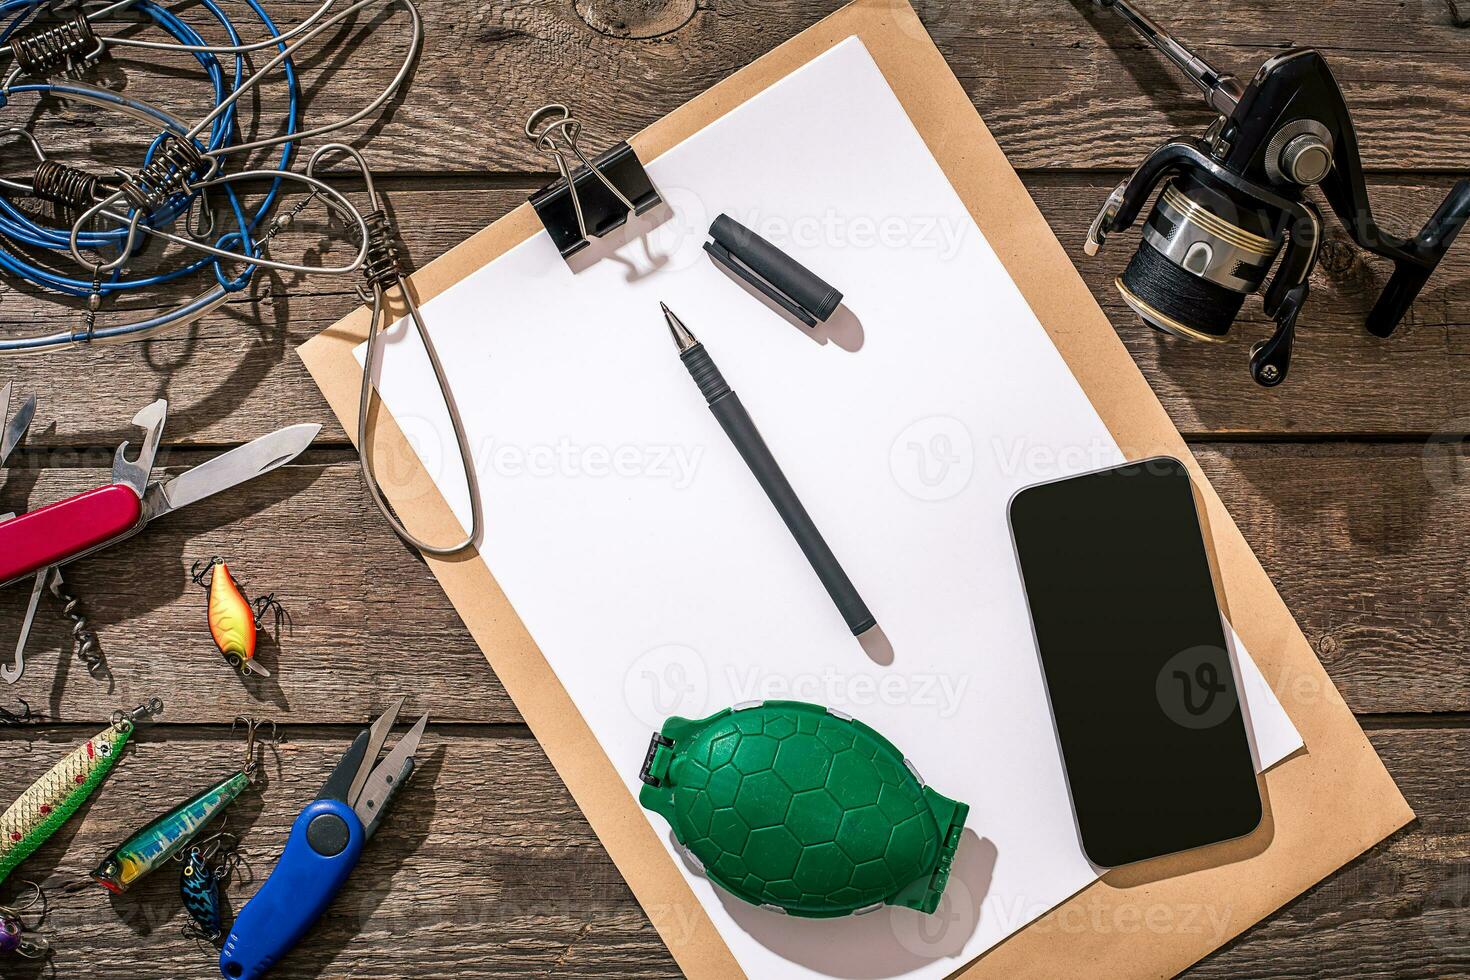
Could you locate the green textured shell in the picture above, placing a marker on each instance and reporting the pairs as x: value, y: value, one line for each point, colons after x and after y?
x: 796, y: 808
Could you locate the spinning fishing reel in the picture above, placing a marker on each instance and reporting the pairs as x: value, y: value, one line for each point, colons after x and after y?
x: 1235, y: 199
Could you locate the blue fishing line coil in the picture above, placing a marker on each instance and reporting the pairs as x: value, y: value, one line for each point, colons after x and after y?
x: 16, y: 225
x: 112, y: 218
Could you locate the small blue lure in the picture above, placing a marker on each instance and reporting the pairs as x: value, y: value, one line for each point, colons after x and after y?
x: 200, y: 886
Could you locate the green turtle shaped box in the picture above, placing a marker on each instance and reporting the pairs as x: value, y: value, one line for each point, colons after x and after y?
x: 800, y: 809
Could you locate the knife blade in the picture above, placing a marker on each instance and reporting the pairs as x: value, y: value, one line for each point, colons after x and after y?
x: 86, y: 522
x: 231, y: 469
x: 18, y: 425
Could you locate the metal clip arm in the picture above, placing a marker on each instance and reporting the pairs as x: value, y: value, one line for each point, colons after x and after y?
x: 382, y: 272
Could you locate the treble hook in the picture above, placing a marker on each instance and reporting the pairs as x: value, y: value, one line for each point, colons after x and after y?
x: 268, y: 603
x: 205, y: 848
x: 26, y: 716
x: 201, y: 568
x: 253, y: 726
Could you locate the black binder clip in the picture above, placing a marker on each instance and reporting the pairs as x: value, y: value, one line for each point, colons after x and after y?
x: 774, y: 274
x: 596, y: 198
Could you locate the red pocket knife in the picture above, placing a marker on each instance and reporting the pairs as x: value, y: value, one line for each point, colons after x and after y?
x: 37, y: 542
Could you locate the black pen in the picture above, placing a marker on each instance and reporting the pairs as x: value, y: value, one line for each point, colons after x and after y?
x: 733, y: 418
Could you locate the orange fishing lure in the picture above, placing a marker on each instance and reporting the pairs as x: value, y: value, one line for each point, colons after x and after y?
x: 233, y: 619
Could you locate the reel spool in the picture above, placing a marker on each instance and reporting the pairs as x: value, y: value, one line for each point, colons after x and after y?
x: 1202, y: 254
x: 1233, y: 202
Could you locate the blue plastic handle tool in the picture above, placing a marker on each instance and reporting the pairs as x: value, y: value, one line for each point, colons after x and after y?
x: 325, y: 843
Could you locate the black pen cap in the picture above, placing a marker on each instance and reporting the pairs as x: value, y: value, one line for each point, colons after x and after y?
x: 780, y: 277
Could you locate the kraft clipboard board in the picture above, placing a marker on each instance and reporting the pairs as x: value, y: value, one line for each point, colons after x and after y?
x: 1328, y: 804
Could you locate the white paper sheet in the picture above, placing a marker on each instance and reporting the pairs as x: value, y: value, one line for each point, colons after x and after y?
x: 653, y: 573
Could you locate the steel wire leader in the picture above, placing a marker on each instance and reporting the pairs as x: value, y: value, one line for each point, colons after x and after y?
x: 383, y: 271
x: 183, y: 163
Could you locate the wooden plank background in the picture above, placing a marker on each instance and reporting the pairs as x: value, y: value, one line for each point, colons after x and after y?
x: 1350, y: 481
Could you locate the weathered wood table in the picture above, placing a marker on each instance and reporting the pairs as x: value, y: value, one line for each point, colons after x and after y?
x: 1350, y: 481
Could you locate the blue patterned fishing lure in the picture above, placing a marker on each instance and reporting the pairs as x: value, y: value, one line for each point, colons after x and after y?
x: 200, y: 887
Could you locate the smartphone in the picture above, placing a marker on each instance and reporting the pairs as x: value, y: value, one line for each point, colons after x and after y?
x: 1143, y: 691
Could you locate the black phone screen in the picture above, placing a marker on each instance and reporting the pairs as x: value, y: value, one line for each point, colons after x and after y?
x: 1133, y: 649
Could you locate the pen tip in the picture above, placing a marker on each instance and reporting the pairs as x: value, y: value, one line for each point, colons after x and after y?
x: 683, y: 337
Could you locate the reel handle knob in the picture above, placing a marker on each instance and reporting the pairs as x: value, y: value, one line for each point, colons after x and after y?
x: 1271, y: 359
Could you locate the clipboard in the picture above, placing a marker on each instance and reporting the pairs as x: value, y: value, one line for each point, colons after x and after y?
x: 1328, y: 804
